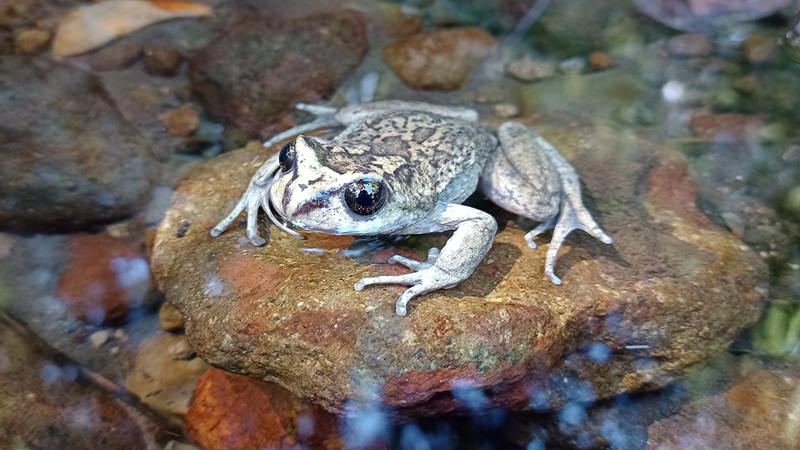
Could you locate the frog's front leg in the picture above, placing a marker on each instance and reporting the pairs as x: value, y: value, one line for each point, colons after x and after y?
x: 254, y: 198
x: 529, y: 177
x: 471, y: 240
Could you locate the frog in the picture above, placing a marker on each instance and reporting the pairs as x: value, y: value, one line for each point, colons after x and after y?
x: 404, y: 168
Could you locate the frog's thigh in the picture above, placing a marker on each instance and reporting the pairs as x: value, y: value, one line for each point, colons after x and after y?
x: 520, y: 178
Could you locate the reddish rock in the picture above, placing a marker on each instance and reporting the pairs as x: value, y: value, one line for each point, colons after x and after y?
x: 287, y: 312
x: 105, y: 277
x: 725, y: 128
x: 440, y: 59
x: 690, y: 44
x: 253, y: 75
x: 182, y: 121
x: 236, y: 412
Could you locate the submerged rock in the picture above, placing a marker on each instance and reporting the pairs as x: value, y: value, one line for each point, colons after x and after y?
x: 70, y: 160
x: 699, y: 15
x: 255, y: 73
x: 439, y: 59
x: 105, y: 278
x: 232, y: 411
x: 165, y: 375
x: 673, y: 290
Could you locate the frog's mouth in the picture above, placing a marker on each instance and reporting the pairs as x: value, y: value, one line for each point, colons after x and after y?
x: 268, y: 205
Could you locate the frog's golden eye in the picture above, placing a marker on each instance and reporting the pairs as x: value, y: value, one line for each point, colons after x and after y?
x: 286, y: 157
x: 365, y: 197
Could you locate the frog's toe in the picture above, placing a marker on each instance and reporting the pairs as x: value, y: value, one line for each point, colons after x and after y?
x: 413, y: 264
x: 541, y: 228
x: 428, y: 280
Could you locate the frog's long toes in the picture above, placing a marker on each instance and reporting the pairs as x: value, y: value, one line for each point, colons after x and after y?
x: 413, y: 291
x: 413, y: 264
x: 555, y: 279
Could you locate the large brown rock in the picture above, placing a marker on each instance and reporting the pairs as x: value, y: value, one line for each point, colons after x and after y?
x: 673, y: 290
x: 70, y: 160
x: 255, y: 73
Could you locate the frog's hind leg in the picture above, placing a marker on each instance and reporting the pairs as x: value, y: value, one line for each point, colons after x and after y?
x: 529, y: 177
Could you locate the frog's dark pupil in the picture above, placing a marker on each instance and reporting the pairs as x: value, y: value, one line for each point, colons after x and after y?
x: 286, y: 157
x: 365, y: 197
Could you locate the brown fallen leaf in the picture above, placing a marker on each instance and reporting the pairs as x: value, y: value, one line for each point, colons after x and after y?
x: 91, y: 27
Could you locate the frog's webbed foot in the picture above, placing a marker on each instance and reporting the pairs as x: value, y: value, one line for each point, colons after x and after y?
x: 250, y: 203
x: 529, y: 177
x: 472, y: 238
x: 433, y: 255
x: 428, y: 279
x: 572, y: 217
x: 257, y: 196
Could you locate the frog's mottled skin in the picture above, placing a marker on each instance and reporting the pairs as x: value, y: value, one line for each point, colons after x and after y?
x: 428, y: 159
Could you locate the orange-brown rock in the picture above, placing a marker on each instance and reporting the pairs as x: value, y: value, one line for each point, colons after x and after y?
x: 236, y: 412
x: 672, y: 291
x: 440, y: 59
x: 105, y: 277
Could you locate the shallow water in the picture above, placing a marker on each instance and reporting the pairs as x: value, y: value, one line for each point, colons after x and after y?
x: 93, y: 158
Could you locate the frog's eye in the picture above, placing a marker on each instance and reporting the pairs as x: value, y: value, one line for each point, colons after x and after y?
x: 365, y: 197
x: 286, y: 157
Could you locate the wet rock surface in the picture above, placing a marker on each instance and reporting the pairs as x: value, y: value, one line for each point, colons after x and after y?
x: 439, y: 59
x: 252, y: 75
x: 45, y: 405
x: 233, y: 411
x: 674, y: 290
x: 757, y: 411
x: 70, y: 160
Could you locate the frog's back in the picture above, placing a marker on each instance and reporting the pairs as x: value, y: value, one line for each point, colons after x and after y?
x: 420, y: 151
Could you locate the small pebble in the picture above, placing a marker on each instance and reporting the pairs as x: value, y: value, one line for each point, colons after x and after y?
x: 572, y: 66
x: 690, y: 45
x: 182, y: 121
x: 600, y: 61
x: 171, y: 319
x: 162, y: 61
x: 119, y: 334
x: 32, y: 41
x: 759, y: 48
x: 506, y: 110
x: 529, y: 69
x: 99, y: 338
x: 117, y: 56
